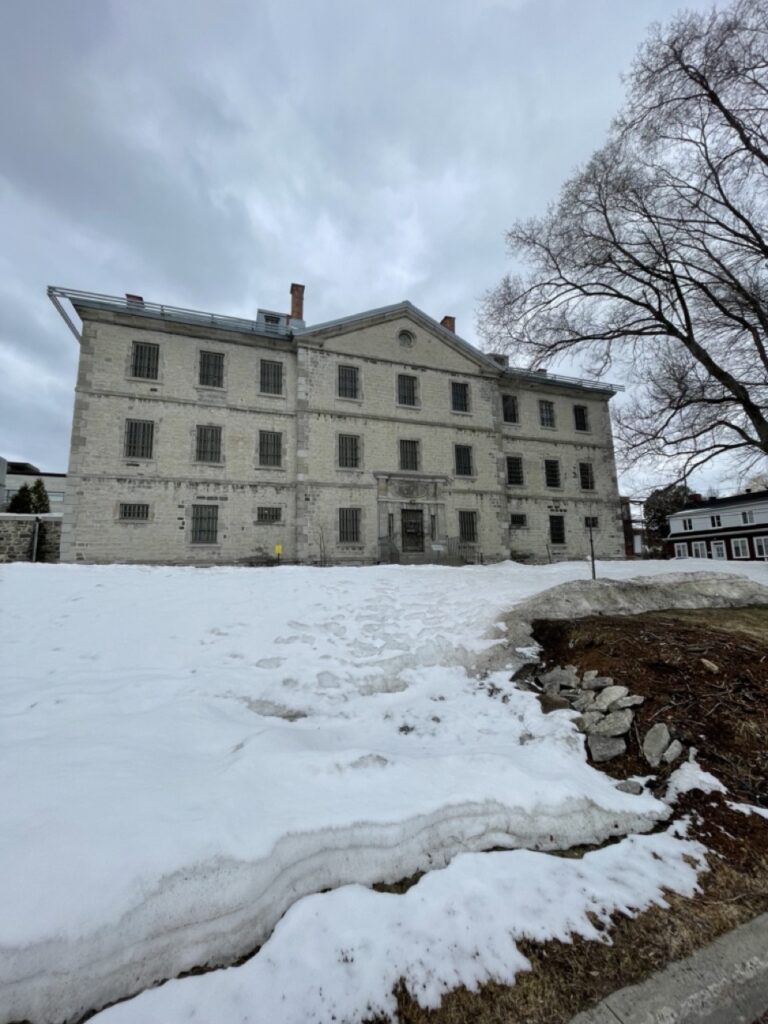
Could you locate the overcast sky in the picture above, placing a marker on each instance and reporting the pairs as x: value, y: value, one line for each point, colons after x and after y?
x: 206, y: 153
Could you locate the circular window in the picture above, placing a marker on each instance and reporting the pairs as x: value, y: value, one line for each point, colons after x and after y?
x: 406, y: 339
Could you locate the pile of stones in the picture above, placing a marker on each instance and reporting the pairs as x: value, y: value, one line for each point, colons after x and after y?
x: 605, y: 714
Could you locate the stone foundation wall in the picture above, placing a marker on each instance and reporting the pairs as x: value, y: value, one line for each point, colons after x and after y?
x: 17, y: 534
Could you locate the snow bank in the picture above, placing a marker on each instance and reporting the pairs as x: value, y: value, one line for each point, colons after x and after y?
x: 338, y: 956
x: 186, y: 753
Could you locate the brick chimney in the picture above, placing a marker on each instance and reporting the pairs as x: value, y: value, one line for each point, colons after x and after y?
x: 297, y: 302
x: 449, y: 323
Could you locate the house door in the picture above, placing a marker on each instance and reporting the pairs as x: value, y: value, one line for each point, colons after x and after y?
x: 412, y: 527
x: 718, y: 549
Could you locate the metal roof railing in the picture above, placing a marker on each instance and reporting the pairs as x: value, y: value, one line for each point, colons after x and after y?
x: 543, y: 376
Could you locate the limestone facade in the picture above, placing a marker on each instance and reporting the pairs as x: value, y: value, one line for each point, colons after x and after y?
x: 378, y: 437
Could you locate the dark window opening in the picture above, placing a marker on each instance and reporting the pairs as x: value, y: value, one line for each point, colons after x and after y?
x: 270, y: 448
x: 211, y: 369
x: 139, y: 439
x: 145, y: 360
x: 412, y: 527
x: 271, y: 377
x: 552, y: 472
x: 515, y: 470
x: 409, y: 455
x: 349, y: 382
x: 349, y: 451
x: 205, y: 524
x: 580, y: 417
x: 518, y: 521
x: 459, y: 396
x: 468, y: 527
x: 509, y: 409
x: 586, y: 476
x: 546, y: 413
x: 349, y: 525
x: 208, y: 444
x: 590, y: 522
x: 269, y: 514
x: 137, y: 512
x: 463, y: 456
x: 407, y: 389
x: 557, y: 529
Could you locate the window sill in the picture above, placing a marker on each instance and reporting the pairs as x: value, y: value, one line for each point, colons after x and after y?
x: 413, y: 408
x: 270, y: 394
x: 213, y: 465
x: 347, y: 398
x: 216, y: 389
x: 544, y: 426
x: 461, y: 412
x: 465, y: 476
x: 144, y: 380
x: 137, y: 460
x: 354, y: 470
x: 274, y: 469
x: 515, y: 485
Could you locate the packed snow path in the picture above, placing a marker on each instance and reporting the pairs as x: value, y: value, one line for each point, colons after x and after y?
x: 186, y: 753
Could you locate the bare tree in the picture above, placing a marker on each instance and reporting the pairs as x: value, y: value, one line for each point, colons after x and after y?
x: 656, y: 253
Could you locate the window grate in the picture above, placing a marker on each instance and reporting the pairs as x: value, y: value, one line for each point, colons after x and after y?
x: 145, y: 360
x: 139, y: 439
x: 590, y: 522
x: 349, y: 451
x: 270, y: 448
x: 211, y: 370
x: 271, y: 377
x: 580, y: 417
x: 459, y: 396
x: 546, y: 413
x: 463, y: 457
x: 349, y: 382
x: 134, y: 511
x: 518, y: 521
x: 586, y: 476
x: 205, y: 524
x: 349, y: 525
x: 509, y: 409
x: 269, y: 514
x: 468, y: 527
x: 407, y: 389
x: 552, y: 472
x: 515, y: 470
x: 557, y: 529
x: 409, y: 455
x: 208, y: 444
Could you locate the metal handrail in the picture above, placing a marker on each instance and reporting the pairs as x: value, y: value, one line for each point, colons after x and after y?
x: 544, y: 375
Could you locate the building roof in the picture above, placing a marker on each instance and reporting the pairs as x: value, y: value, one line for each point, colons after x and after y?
x: 23, y: 467
x: 748, y: 498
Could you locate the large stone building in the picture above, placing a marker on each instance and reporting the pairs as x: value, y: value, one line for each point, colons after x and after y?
x: 381, y: 436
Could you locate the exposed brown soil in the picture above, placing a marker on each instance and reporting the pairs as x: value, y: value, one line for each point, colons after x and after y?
x: 724, y: 714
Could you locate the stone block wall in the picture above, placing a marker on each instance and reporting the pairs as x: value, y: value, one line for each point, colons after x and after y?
x: 17, y: 537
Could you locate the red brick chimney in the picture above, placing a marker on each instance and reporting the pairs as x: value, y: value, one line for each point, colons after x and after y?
x: 297, y: 302
x: 449, y: 323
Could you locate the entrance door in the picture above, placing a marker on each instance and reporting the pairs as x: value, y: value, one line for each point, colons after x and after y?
x: 718, y: 549
x: 412, y: 525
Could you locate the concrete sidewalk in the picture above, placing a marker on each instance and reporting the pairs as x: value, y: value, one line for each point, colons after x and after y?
x: 724, y: 983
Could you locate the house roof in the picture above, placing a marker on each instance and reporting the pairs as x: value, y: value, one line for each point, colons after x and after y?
x: 748, y: 498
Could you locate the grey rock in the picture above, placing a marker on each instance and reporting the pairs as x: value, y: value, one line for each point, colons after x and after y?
x: 589, y: 675
x: 616, y: 724
x: 630, y: 786
x: 606, y: 697
x: 626, y: 702
x: 551, y: 686
x: 596, y: 682
x: 584, y: 700
x: 710, y: 666
x: 656, y: 741
x: 587, y: 720
x: 673, y: 751
x: 555, y: 678
x: 553, y: 702
x: 603, y: 748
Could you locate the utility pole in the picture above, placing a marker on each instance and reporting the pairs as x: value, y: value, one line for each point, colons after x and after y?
x: 591, y: 547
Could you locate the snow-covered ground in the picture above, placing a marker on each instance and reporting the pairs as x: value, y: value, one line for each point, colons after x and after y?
x: 187, y: 753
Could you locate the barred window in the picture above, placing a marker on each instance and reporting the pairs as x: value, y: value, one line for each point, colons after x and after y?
x: 145, y: 360
x: 139, y: 438
x: 409, y: 455
x: 134, y: 511
x: 349, y: 525
x: 349, y: 451
x: 208, y: 444
x: 269, y: 514
x: 580, y: 417
x: 546, y: 413
x: 459, y: 396
x: 515, y: 469
x: 349, y: 382
x: 552, y: 472
x: 468, y: 527
x: 557, y: 529
x: 211, y: 369
x: 205, y: 524
x: 270, y: 448
x: 509, y: 409
x: 586, y: 476
x: 463, y: 457
x: 518, y: 521
x: 271, y: 377
x: 407, y: 389
x: 590, y: 522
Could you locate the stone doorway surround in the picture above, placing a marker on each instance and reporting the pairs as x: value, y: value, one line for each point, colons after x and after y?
x: 404, y: 492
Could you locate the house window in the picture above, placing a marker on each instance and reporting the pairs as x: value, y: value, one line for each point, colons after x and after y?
x: 349, y: 525
x: 145, y: 360
x: 407, y: 389
x: 518, y: 521
x: 715, y: 521
x: 271, y: 382
x: 546, y: 413
x: 270, y: 448
x: 139, y: 439
x: 349, y: 451
x: 580, y: 417
x: 515, y: 470
x: 459, y: 396
x: 586, y: 476
x: 687, y: 525
x: 463, y: 459
x: 590, y: 522
x: 557, y: 529
x: 205, y: 524
x: 208, y: 444
x: 211, y: 370
x: 349, y: 382
x: 468, y: 527
x: 740, y: 547
x: 552, y: 472
x: 681, y: 550
x: 269, y: 514
x: 761, y: 547
x: 509, y: 409
x: 134, y: 512
x: 747, y: 518
x: 699, y: 549
x: 409, y: 455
